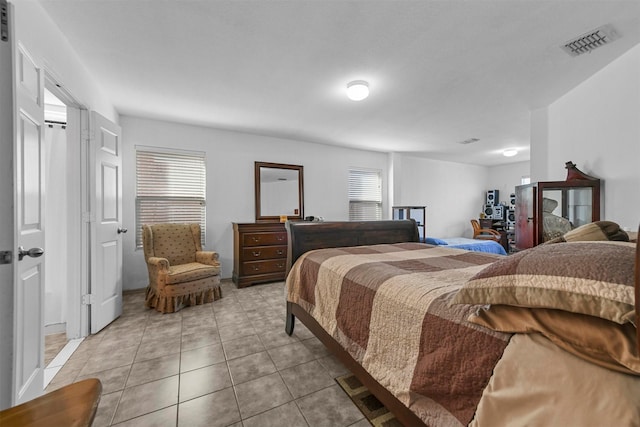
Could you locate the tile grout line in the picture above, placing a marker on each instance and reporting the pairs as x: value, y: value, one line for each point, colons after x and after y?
x: 113, y: 416
x: 180, y: 370
x: 124, y: 387
x: 61, y: 358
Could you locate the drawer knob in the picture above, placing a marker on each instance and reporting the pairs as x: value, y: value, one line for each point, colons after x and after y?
x: 279, y: 252
x: 256, y: 253
x: 280, y: 265
x: 280, y: 238
x: 256, y: 268
x: 256, y: 239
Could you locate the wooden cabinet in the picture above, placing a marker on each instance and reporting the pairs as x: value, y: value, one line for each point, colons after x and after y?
x: 259, y: 253
x: 545, y: 210
x: 418, y: 213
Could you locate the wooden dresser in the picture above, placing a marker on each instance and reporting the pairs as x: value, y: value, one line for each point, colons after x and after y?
x: 259, y: 252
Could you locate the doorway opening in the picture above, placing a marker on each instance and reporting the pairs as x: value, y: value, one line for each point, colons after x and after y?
x: 57, y: 193
x: 65, y: 270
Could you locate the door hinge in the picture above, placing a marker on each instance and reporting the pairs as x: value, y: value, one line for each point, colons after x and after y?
x: 6, y: 257
x: 88, y: 299
x: 87, y: 217
x: 86, y: 135
x: 4, y: 21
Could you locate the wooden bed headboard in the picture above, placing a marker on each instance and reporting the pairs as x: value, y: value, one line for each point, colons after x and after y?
x: 305, y: 236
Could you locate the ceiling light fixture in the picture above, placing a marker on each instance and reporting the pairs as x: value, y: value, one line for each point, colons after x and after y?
x: 510, y: 152
x: 357, y: 90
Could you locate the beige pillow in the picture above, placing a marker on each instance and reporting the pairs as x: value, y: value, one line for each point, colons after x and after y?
x: 593, y: 339
x: 594, y: 278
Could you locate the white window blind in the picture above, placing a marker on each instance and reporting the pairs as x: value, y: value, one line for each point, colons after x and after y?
x: 170, y: 187
x: 365, y: 195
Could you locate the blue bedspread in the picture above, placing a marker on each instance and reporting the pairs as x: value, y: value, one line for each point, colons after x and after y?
x: 469, y: 244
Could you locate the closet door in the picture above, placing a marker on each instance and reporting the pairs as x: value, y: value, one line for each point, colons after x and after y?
x: 107, y: 231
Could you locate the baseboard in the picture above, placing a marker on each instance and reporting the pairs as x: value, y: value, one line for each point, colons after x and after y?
x: 55, y: 328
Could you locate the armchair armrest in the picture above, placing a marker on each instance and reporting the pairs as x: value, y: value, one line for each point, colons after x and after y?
x: 487, y: 234
x: 158, y: 271
x: 208, y: 257
x: 160, y: 264
x: 489, y: 231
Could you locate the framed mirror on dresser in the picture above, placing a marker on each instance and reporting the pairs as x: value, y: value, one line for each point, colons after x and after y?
x: 279, y: 191
x: 260, y: 247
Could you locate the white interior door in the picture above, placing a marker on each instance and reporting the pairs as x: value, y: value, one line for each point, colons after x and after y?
x: 106, y: 231
x: 7, y: 247
x: 28, y: 339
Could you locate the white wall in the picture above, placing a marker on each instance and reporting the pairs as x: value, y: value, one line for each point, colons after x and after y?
x: 230, y: 158
x: 504, y: 178
x: 597, y: 126
x: 452, y: 192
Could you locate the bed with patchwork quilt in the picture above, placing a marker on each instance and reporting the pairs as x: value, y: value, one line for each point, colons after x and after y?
x: 449, y: 337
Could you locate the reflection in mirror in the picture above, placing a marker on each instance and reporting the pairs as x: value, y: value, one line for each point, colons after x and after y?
x: 279, y: 191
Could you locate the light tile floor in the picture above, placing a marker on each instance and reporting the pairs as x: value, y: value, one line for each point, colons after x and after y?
x: 228, y: 363
x: 53, y: 344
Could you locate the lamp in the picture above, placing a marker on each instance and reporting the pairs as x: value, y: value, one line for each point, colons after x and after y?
x: 510, y: 152
x: 357, y: 90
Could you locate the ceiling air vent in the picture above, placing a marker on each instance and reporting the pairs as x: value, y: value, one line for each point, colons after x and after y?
x: 590, y: 41
x: 468, y: 141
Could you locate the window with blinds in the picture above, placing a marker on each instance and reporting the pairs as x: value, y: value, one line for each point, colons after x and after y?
x: 365, y: 195
x: 170, y: 187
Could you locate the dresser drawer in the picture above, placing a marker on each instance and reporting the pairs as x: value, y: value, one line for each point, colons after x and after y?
x: 261, y: 267
x: 264, y: 239
x: 263, y: 252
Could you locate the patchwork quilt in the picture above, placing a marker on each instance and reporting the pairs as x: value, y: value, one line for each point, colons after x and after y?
x: 388, y: 306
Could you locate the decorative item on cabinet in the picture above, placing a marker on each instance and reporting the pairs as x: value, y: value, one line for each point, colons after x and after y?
x: 545, y: 210
x: 259, y: 253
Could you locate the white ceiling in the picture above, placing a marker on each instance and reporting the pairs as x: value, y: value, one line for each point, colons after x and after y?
x: 440, y: 72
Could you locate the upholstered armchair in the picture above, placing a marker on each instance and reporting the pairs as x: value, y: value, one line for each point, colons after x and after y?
x: 484, y: 233
x: 180, y: 272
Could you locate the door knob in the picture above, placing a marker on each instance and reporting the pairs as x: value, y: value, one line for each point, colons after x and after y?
x: 33, y: 253
x: 122, y: 230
